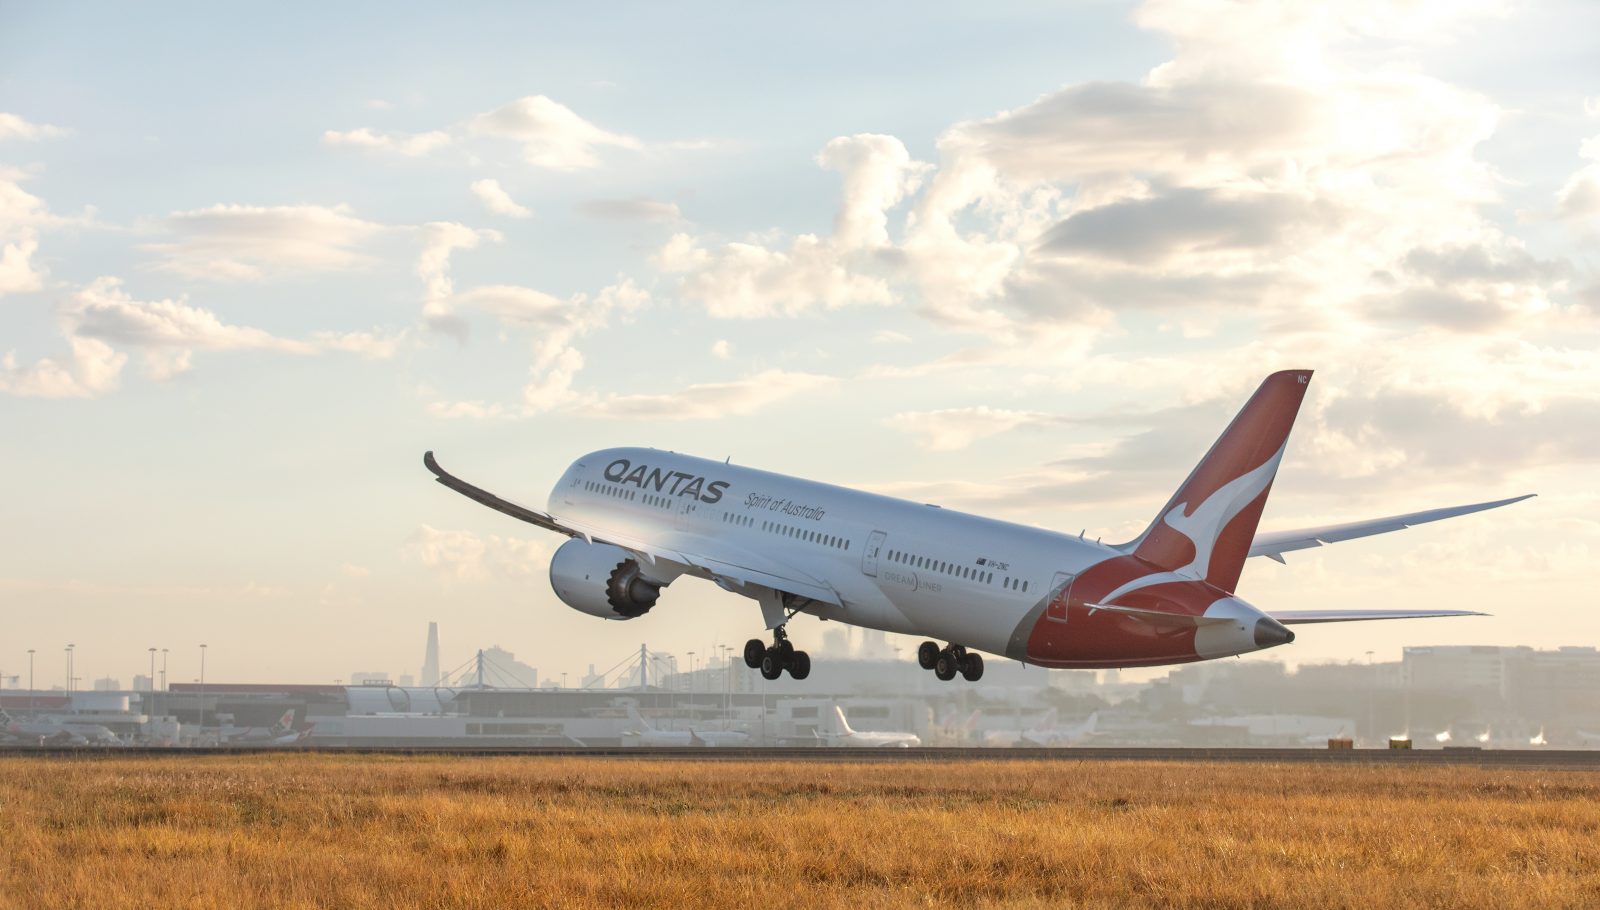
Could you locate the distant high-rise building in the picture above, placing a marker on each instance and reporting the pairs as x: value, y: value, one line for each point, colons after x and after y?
x: 505, y: 671
x: 141, y: 683
x: 107, y: 684
x: 368, y: 677
x: 407, y: 680
x: 430, y: 658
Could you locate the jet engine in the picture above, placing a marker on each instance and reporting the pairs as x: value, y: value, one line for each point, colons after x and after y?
x: 602, y: 580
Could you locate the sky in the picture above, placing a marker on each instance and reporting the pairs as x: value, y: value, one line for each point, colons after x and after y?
x: 1023, y: 260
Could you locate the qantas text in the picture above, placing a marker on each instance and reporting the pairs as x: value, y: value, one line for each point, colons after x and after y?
x: 671, y: 482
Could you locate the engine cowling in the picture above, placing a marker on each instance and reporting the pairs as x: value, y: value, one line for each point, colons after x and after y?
x: 602, y: 580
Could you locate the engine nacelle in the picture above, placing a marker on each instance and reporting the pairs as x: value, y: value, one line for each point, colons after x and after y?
x: 602, y: 580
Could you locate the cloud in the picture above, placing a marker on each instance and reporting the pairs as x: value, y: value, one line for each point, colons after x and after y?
x: 92, y: 368
x: 1579, y: 197
x: 711, y: 400
x: 101, y: 321
x: 497, y: 200
x: 411, y: 145
x: 168, y: 332
x: 1184, y: 221
x: 14, y: 127
x: 439, y: 240
x: 464, y: 556
x: 17, y: 273
x: 248, y: 243
x: 22, y: 215
x: 956, y: 428
x: 752, y: 279
x: 721, y: 349
x: 639, y: 208
x: 878, y: 173
x: 551, y: 135
x: 554, y: 325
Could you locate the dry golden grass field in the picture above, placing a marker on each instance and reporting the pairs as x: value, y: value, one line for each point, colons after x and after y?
x: 317, y: 830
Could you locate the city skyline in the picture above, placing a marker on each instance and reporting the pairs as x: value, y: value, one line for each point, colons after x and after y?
x: 1022, y: 262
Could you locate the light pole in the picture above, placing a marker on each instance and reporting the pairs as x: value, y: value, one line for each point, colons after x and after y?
x: 163, y: 669
x: 1372, y: 685
x: 30, y: 682
x: 690, y: 687
x: 151, y: 679
x: 727, y: 687
x: 69, y: 669
x: 202, y: 689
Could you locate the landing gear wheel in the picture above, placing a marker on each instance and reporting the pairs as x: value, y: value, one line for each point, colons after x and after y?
x: 771, y: 665
x: 945, y: 667
x: 927, y: 654
x: 800, y: 665
x: 754, y: 650
x: 785, y: 651
x: 972, y: 667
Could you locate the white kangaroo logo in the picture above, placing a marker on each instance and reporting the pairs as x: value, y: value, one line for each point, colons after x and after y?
x: 1204, y: 526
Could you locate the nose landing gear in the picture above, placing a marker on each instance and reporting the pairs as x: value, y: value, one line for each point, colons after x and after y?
x: 773, y: 659
x: 946, y: 662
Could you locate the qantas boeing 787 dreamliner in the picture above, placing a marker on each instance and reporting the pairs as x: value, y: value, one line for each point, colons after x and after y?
x: 640, y: 519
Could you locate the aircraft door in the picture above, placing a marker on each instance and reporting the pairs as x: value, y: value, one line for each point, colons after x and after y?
x: 685, y: 512
x: 1060, y: 596
x: 869, y: 553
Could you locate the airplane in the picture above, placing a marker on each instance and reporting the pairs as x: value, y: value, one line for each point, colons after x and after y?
x: 53, y: 731
x: 281, y: 733
x: 647, y: 735
x: 639, y: 519
x: 842, y: 735
x: 1051, y: 736
x: 1046, y: 733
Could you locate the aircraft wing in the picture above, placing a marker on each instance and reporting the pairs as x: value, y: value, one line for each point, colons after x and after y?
x: 1276, y: 543
x: 1291, y: 617
x: 477, y: 494
x: 720, y: 561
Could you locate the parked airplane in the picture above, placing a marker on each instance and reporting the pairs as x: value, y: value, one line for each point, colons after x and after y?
x: 53, y: 731
x: 1051, y: 736
x: 1047, y: 733
x: 842, y: 735
x: 640, y: 519
x: 280, y: 733
x: 647, y: 735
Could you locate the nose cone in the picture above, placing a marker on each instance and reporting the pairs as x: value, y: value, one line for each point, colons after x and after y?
x: 1270, y: 633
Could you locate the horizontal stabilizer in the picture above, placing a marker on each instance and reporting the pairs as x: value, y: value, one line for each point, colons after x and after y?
x: 1160, y: 617
x: 1291, y: 617
x: 1276, y: 543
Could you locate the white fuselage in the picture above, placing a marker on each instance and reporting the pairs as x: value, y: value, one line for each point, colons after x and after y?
x: 894, y: 565
x: 685, y: 738
x: 873, y: 739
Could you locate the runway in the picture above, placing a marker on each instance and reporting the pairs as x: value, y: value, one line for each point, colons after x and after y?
x: 1532, y: 759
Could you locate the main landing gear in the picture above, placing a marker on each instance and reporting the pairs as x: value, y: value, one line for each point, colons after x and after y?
x: 946, y: 662
x: 773, y: 659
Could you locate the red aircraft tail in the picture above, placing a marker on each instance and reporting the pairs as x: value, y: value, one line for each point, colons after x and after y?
x: 1205, y: 529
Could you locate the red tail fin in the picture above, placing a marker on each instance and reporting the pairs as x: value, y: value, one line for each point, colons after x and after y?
x: 1205, y: 529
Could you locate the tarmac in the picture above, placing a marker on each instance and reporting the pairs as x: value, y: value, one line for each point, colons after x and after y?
x: 1530, y: 759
